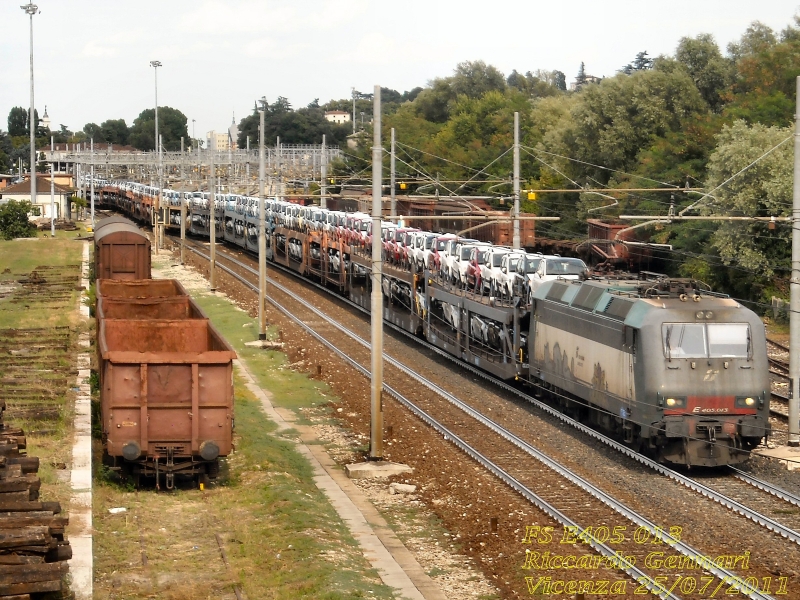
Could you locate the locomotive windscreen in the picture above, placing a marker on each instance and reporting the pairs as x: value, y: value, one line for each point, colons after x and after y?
x: 706, y: 340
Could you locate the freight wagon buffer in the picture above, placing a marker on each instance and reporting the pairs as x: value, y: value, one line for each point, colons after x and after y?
x: 167, y: 397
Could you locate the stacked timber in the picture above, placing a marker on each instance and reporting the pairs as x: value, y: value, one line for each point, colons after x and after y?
x: 33, y: 552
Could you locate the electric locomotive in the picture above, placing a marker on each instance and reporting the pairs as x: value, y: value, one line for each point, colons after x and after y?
x: 671, y: 368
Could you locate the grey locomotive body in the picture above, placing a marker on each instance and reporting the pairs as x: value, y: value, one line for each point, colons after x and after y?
x: 670, y: 368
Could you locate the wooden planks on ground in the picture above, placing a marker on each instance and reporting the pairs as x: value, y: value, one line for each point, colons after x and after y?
x: 33, y: 551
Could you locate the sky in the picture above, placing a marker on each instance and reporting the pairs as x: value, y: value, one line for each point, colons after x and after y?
x: 92, y: 57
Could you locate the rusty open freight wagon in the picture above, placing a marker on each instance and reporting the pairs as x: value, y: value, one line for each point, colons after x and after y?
x: 166, y: 382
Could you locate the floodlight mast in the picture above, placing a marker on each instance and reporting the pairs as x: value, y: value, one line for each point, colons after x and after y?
x: 262, y: 235
x: 31, y: 9
x: 155, y: 64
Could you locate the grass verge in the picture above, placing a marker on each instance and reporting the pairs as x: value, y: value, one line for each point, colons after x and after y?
x: 282, y: 537
x: 37, y: 379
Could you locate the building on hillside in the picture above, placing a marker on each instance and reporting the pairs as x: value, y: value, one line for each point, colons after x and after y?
x: 337, y: 116
x: 575, y: 86
x: 218, y: 141
x: 22, y: 191
x: 6, y: 179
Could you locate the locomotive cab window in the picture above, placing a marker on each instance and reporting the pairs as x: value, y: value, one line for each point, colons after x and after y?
x: 728, y: 340
x: 706, y: 340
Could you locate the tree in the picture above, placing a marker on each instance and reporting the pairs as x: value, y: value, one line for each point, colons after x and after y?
x: 518, y: 81
x: 14, y: 222
x: 761, y: 190
x: 764, y: 86
x: 792, y: 33
x: 115, y: 131
x: 756, y: 38
x: 432, y: 103
x: 621, y: 116
x: 642, y: 62
x: 411, y: 95
x: 476, y: 78
x: 711, y: 73
x: 17, y: 122
x: 560, y: 81
x: 580, y: 79
x: 93, y: 131
x: 171, y: 127
x: 303, y: 126
x: 6, y: 148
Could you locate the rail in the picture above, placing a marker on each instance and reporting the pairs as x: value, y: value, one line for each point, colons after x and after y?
x: 621, y: 508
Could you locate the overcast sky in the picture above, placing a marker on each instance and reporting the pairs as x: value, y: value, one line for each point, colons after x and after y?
x: 92, y: 57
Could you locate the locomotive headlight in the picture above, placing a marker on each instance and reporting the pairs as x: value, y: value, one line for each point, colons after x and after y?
x: 745, y: 401
x: 676, y: 402
x: 709, y: 314
x: 699, y: 314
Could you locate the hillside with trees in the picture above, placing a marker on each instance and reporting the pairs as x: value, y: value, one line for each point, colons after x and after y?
x: 699, y: 118
x: 703, y: 117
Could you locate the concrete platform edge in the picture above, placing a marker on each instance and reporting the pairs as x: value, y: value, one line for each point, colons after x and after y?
x: 81, y: 566
x: 395, y: 564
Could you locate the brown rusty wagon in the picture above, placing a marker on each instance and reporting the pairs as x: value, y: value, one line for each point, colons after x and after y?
x: 166, y: 382
x: 121, y: 250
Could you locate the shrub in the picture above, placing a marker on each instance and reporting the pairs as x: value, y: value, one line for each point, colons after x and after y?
x: 14, y: 221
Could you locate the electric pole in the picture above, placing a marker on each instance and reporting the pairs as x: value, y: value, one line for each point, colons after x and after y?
x: 323, y: 177
x: 262, y: 229
x: 794, y: 291
x: 515, y: 241
x: 376, y: 312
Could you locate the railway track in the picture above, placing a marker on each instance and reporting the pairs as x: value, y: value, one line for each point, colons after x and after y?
x: 524, y: 480
x: 779, y: 375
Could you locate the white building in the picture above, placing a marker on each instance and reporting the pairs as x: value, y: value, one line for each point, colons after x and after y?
x: 22, y: 191
x: 337, y: 116
x: 218, y: 141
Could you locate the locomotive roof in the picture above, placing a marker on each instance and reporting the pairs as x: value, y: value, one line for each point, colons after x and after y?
x: 616, y: 299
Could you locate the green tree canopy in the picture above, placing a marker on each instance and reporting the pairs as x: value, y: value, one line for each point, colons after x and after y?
x: 303, y: 126
x: 115, y: 131
x: 473, y: 79
x: 14, y: 221
x: 18, y: 121
x: 711, y: 73
x: 763, y: 190
x: 93, y: 131
x: 621, y: 116
x: 171, y: 127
